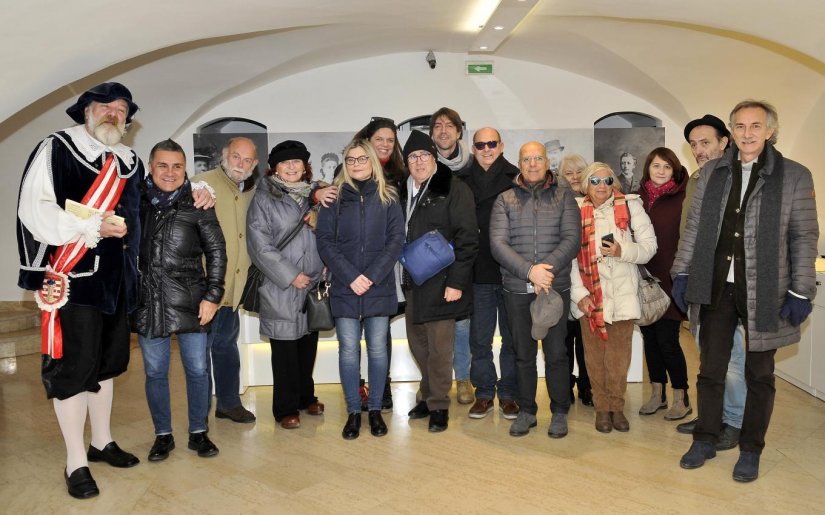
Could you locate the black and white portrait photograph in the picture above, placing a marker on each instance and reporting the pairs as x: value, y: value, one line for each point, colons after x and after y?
x: 625, y: 150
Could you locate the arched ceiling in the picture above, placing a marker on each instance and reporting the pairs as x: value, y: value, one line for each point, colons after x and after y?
x: 198, y: 54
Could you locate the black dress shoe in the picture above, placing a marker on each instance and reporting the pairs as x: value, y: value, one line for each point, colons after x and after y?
x: 377, y: 425
x: 420, y: 410
x: 353, y: 426
x: 81, y: 484
x: 201, y: 443
x: 586, y: 397
x: 162, y: 447
x: 686, y: 428
x: 113, y: 455
x: 438, y: 420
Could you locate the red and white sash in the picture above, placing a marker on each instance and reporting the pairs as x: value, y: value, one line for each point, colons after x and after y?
x: 54, y: 294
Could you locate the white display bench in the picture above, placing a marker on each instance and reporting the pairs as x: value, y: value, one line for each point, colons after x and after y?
x: 256, y: 367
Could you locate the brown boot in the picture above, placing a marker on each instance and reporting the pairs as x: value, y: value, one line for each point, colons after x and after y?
x: 620, y: 422
x: 603, y: 424
x: 464, y: 392
x: 680, y: 407
x: 656, y: 402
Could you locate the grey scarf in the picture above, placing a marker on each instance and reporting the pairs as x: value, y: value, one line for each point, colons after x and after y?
x: 460, y: 160
x: 700, y: 282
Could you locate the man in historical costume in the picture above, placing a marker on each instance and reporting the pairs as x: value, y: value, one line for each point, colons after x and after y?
x: 234, y: 182
x: 757, y: 209
x: 447, y: 132
x: 78, y: 232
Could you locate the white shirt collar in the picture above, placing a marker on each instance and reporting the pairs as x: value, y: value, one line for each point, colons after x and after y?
x: 92, y: 148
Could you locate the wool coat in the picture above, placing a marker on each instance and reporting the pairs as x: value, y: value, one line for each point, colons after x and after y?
x: 665, y: 215
x: 446, y: 206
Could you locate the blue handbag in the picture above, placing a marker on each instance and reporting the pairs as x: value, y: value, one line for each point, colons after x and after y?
x: 426, y: 256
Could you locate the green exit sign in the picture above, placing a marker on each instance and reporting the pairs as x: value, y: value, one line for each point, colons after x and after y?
x: 479, y: 68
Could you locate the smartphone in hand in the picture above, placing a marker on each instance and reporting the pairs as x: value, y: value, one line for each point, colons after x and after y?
x: 607, y: 238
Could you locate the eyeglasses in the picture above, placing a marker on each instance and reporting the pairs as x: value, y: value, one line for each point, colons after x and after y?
x: 527, y: 160
x: 424, y: 156
x: 382, y: 119
x: 595, y: 181
x: 479, y: 145
x: 360, y: 160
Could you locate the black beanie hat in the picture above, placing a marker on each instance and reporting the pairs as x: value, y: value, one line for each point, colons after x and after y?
x: 418, y: 141
x: 102, y: 93
x: 709, y: 120
x: 286, y: 150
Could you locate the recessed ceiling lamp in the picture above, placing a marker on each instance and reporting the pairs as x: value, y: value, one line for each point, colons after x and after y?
x: 500, y: 23
x: 498, y: 27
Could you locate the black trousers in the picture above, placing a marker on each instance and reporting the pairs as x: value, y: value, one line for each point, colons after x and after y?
x: 663, y: 353
x: 715, y: 339
x: 293, y: 387
x: 575, y: 348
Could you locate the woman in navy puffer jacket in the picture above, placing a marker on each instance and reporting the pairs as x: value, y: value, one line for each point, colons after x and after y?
x: 360, y: 239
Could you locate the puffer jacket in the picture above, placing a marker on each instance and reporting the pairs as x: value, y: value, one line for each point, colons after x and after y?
x: 273, y: 214
x: 619, y: 275
x: 535, y: 225
x: 360, y: 235
x: 447, y: 206
x: 665, y: 215
x: 798, y: 236
x: 172, y: 281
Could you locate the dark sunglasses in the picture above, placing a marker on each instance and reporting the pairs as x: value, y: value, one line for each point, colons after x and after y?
x: 479, y: 145
x: 382, y: 119
x: 595, y: 181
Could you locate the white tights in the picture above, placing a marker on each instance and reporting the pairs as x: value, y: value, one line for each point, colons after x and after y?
x: 71, y: 415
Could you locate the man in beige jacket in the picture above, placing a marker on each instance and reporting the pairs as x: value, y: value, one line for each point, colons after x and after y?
x: 234, y: 185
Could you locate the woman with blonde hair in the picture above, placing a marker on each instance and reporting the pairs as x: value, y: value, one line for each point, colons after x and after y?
x: 360, y: 238
x: 616, y: 236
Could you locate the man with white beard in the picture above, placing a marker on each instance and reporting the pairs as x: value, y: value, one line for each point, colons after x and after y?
x: 234, y: 183
x: 78, y: 223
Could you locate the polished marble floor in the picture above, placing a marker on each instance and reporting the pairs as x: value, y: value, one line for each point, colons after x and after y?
x: 473, y: 467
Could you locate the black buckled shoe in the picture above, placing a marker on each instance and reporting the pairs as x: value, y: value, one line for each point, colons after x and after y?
x: 162, y: 447
x: 201, y: 443
x: 81, y: 485
x: 377, y: 425
x: 420, y: 410
x: 353, y: 426
x: 113, y: 455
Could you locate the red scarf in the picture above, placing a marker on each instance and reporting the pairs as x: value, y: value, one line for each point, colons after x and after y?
x: 588, y: 259
x: 654, y: 192
x: 54, y: 294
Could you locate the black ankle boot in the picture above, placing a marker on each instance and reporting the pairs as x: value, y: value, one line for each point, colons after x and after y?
x: 353, y: 427
x: 377, y: 425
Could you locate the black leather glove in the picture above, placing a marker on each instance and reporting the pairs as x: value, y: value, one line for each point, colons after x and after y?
x: 795, y: 309
x: 679, y: 291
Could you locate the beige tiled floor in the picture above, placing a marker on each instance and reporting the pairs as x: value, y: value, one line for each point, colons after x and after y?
x: 474, y: 467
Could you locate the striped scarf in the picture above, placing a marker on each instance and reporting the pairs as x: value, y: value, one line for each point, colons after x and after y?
x: 588, y: 260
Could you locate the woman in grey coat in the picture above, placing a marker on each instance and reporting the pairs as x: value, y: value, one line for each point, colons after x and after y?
x: 279, y: 206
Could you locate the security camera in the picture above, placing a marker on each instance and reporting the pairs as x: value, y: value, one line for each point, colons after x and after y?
x: 431, y: 59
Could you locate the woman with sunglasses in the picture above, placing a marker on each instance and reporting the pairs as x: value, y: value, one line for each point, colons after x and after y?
x: 360, y: 239
x: 662, y: 192
x: 616, y: 236
x: 383, y: 136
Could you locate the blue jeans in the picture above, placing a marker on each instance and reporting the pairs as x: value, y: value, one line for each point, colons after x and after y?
x: 736, y: 389
x: 156, y: 353
x: 349, y: 359
x: 222, y: 344
x: 488, y: 304
x: 461, y: 352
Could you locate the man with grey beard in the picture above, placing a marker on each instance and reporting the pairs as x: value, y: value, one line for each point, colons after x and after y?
x: 78, y: 223
x: 234, y: 183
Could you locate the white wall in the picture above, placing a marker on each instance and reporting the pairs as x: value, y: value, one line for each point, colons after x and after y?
x: 342, y: 97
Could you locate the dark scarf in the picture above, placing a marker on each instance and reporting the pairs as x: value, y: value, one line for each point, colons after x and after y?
x: 654, y: 192
x: 163, y: 199
x: 700, y: 283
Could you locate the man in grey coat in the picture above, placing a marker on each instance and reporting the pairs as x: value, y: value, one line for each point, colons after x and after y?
x: 757, y: 210
x: 535, y: 234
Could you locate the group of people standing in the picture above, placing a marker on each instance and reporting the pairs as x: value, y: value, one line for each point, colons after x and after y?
x: 545, y: 257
